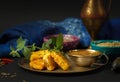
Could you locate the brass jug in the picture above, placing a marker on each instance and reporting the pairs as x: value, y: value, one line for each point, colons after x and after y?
x: 93, y: 15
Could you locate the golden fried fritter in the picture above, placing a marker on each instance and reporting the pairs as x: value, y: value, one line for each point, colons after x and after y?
x: 37, y: 64
x: 49, y: 62
x: 60, y: 60
x: 37, y: 55
x: 48, y: 59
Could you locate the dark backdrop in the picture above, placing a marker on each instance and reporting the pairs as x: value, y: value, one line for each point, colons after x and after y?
x: 17, y: 12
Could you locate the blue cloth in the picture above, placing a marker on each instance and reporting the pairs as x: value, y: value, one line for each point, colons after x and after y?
x: 35, y: 31
x: 110, y: 30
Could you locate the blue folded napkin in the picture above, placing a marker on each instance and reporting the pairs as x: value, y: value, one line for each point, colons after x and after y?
x: 35, y: 31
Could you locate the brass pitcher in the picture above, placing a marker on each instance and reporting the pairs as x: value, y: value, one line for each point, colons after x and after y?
x: 93, y: 15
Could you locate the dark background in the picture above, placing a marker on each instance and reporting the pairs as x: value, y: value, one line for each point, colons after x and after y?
x: 17, y: 12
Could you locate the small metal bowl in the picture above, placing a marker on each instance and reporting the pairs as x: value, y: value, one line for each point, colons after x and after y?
x: 84, y: 57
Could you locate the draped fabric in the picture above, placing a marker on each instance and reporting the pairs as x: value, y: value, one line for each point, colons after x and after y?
x: 36, y: 30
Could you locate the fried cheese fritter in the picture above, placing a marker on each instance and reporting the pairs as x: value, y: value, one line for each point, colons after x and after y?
x: 37, y: 55
x: 48, y: 59
x: 60, y: 60
x: 49, y: 62
x: 37, y: 64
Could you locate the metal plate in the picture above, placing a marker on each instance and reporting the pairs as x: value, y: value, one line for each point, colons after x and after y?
x: 73, y: 69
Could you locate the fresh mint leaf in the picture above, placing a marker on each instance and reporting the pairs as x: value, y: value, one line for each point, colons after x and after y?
x: 46, y: 45
x: 26, y: 52
x: 33, y: 47
x: 12, y: 52
x: 48, y: 42
x: 20, y: 43
x: 59, y: 42
x: 53, y: 42
x: 11, y: 48
x: 17, y: 54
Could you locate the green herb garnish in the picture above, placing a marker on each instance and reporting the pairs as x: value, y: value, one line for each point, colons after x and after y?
x: 59, y: 42
x: 55, y: 43
x: 21, y: 47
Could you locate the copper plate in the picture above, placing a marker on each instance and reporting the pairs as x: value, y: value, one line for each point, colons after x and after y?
x: 73, y: 69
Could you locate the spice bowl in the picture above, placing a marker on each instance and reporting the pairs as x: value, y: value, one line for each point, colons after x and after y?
x: 108, y: 47
x: 86, y: 57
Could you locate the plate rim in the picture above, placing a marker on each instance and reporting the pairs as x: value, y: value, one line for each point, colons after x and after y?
x: 58, y: 70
